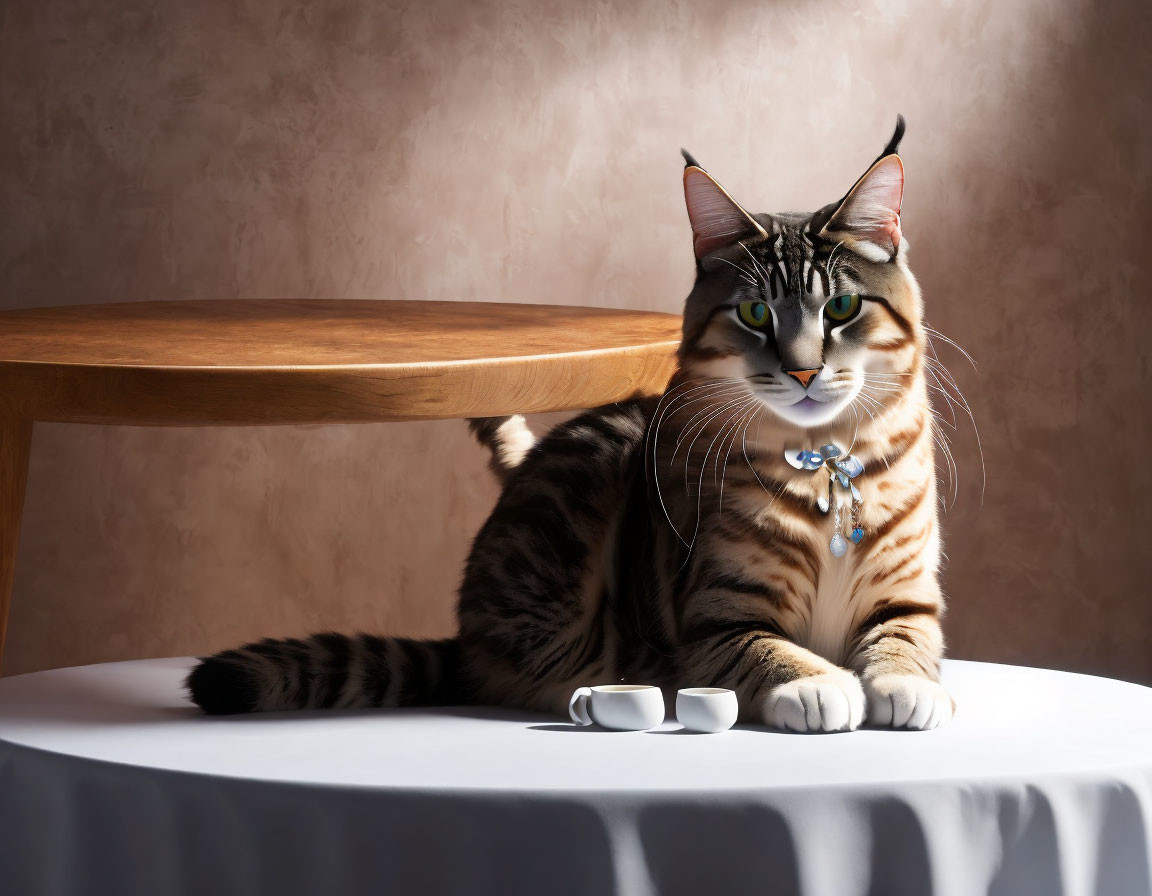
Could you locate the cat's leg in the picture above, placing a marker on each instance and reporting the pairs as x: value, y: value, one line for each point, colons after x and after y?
x: 776, y: 681
x: 896, y: 651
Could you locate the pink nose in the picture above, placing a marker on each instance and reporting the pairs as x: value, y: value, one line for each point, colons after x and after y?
x: 803, y: 377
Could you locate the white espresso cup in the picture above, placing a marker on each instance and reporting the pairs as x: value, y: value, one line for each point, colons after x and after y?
x: 625, y: 707
x: 709, y: 710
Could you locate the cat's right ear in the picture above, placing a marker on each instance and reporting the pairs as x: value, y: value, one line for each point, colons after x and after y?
x: 868, y: 218
x: 717, y: 219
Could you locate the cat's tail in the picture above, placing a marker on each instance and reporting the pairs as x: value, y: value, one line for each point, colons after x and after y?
x: 508, y: 438
x: 329, y: 671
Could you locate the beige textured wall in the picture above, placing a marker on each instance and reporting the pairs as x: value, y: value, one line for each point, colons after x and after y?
x: 527, y: 151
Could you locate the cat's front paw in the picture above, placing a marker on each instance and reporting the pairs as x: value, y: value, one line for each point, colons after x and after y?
x: 907, y: 701
x: 833, y: 701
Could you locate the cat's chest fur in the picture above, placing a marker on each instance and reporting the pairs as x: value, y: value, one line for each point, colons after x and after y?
x: 831, y: 615
x: 832, y: 595
x: 822, y: 596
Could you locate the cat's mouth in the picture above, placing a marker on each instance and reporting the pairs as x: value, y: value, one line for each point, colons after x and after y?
x: 809, y: 411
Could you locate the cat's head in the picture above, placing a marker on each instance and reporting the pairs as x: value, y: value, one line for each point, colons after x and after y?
x: 807, y: 309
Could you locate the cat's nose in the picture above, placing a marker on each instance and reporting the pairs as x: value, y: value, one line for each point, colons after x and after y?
x: 804, y: 377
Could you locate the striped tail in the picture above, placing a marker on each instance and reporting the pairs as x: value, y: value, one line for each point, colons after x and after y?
x: 508, y: 438
x: 329, y: 671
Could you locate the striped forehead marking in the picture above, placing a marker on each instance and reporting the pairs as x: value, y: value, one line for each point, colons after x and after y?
x: 795, y: 264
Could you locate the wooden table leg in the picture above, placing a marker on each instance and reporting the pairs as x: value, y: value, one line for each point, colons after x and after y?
x: 15, y: 438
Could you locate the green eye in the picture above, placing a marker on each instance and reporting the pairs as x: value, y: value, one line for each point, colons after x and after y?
x: 754, y: 313
x: 842, y: 308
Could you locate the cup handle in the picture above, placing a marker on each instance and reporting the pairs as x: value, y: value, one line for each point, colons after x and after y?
x: 578, y: 706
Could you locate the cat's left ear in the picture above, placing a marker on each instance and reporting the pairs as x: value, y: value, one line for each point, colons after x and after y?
x: 868, y: 218
x: 717, y: 219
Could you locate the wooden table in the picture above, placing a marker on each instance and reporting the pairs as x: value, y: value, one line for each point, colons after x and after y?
x: 228, y: 363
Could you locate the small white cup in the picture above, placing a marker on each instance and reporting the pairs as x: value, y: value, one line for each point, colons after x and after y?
x: 624, y: 707
x: 709, y: 710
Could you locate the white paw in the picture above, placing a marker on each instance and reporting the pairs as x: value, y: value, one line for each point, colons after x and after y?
x: 907, y: 701
x: 833, y: 701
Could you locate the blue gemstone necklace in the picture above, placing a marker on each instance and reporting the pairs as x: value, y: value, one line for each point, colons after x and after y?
x: 842, y: 469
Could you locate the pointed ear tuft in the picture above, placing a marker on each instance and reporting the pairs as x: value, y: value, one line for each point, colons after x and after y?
x: 717, y: 219
x: 893, y: 146
x: 690, y: 160
x: 869, y: 215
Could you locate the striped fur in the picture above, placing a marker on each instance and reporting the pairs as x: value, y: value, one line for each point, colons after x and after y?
x: 666, y: 541
x: 329, y: 671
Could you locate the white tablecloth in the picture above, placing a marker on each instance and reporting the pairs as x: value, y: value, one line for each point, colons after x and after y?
x: 110, y: 783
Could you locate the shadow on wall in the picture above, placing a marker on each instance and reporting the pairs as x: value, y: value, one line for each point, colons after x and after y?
x: 1034, y: 263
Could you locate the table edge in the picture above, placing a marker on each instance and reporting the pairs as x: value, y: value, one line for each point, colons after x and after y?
x: 399, y: 366
x: 279, y: 394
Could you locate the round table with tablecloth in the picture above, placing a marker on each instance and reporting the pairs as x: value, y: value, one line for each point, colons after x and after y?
x: 111, y: 783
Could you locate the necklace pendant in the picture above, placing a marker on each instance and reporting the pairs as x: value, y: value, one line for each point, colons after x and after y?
x: 838, y: 546
x: 842, y: 468
x: 850, y: 466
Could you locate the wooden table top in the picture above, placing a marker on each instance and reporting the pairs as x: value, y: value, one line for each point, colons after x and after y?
x: 286, y: 361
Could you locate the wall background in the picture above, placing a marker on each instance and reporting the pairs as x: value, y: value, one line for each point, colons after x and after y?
x: 527, y: 151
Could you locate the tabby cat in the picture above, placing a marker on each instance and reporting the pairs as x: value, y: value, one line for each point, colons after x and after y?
x: 669, y: 540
